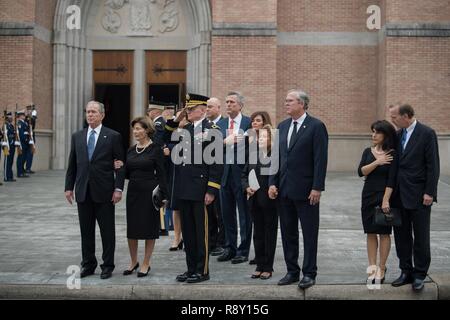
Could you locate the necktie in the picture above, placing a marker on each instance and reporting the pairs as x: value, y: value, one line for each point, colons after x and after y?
x: 91, y: 144
x: 403, y: 140
x: 232, y: 125
x: 293, y: 135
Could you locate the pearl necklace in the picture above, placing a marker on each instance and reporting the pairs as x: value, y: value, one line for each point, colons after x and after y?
x: 145, y: 147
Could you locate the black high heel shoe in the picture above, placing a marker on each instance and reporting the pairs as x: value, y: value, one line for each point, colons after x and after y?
x: 143, y: 274
x: 128, y: 272
x: 179, y: 247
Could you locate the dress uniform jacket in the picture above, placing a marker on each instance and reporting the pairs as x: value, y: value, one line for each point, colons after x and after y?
x: 192, y: 180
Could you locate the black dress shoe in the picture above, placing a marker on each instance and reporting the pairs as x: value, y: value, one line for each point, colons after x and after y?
x: 30, y: 171
x: 10, y: 180
x: 288, y: 279
x: 23, y: 176
x: 226, y: 255
x: 256, y: 275
x: 217, y: 251
x: 239, y: 259
x: 418, y: 284
x: 86, y: 272
x: 196, y: 277
x: 106, y: 274
x: 306, y: 282
x: 128, y: 271
x: 183, y: 277
x: 143, y: 274
x: 405, y: 278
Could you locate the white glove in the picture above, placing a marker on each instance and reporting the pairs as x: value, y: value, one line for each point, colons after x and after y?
x: 31, y: 142
x: 17, y: 144
x: 4, y: 144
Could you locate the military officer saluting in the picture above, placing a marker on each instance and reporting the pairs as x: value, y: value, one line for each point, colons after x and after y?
x: 24, y: 139
x: 197, y: 184
x: 9, y: 144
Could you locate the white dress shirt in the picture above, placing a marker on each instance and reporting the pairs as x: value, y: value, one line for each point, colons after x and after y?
x: 409, y: 132
x: 237, y: 123
x: 299, y: 124
x: 97, y: 134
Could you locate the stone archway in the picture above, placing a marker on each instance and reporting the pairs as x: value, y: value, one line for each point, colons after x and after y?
x: 73, y: 51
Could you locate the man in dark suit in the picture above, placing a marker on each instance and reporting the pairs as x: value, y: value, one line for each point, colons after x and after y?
x: 231, y: 193
x: 197, y: 184
x: 303, y: 154
x: 97, y: 186
x: 216, y: 231
x: 416, y: 190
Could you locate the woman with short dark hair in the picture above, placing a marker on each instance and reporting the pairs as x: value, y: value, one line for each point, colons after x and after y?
x: 145, y: 170
x: 379, y: 167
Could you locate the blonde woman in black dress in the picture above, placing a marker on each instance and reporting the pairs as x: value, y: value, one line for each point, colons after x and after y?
x: 145, y: 170
x: 379, y: 167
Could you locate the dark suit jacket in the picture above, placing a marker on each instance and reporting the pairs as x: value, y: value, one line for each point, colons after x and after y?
x: 98, y: 173
x: 303, y: 167
x: 418, y: 167
x: 240, y: 148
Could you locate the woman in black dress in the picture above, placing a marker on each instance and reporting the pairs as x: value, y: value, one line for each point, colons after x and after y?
x: 145, y: 170
x: 262, y: 208
x: 379, y: 166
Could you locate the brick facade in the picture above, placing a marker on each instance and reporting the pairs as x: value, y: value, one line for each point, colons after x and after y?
x: 350, y: 82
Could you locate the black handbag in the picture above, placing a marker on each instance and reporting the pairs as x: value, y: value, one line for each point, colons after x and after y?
x: 393, y: 218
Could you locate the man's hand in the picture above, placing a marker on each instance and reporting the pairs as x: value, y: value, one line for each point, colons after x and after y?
x: 166, y: 151
x: 314, y: 197
x: 427, y: 200
x: 209, y: 198
x: 181, y: 116
x: 273, y: 192
x: 117, y: 196
x: 250, y: 192
x: 118, y: 164
x: 69, y: 196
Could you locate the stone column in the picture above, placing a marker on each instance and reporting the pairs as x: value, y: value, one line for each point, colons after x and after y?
x: 138, y: 107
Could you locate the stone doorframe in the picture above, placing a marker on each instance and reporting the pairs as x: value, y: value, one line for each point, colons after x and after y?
x: 72, y: 65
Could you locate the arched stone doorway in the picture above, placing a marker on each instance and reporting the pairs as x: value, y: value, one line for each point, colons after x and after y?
x: 138, y: 26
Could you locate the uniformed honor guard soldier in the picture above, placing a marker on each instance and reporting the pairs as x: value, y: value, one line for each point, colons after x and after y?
x: 9, y: 144
x: 24, y: 139
x: 154, y: 112
x: 196, y: 185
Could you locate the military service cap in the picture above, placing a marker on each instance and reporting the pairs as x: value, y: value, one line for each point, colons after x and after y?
x: 193, y: 100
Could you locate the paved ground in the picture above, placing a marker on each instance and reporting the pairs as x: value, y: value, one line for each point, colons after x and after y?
x: 39, y: 240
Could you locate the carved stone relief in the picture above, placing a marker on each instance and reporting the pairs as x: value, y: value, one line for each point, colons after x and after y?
x: 143, y: 14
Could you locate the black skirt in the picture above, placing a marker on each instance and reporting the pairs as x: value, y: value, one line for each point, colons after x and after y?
x: 369, y: 201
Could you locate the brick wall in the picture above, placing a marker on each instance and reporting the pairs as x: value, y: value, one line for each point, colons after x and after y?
x: 45, y: 11
x: 17, y: 10
x: 341, y: 82
x: 247, y: 64
x: 418, y: 11
x: 323, y: 15
x: 418, y: 72
x: 248, y: 11
x: 16, y: 63
x: 43, y: 83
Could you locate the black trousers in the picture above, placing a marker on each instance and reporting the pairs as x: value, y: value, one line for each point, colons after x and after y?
x: 265, y: 223
x: 290, y: 212
x: 414, y: 223
x: 216, y: 231
x: 194, y: 226
x: 88, y: 213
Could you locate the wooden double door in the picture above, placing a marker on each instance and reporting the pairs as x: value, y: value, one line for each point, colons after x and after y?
x: 165, y: 80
